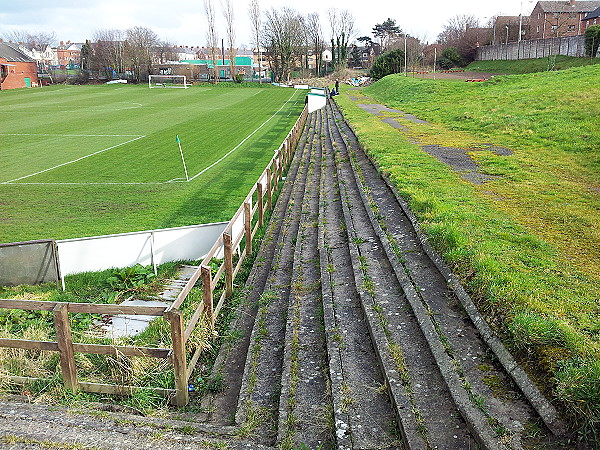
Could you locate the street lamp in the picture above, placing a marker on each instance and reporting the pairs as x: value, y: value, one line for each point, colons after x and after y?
x: 521, y: 20
x: 506, y: 34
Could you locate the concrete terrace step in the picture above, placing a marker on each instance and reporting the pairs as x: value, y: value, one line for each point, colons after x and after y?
x: 364, y: 415
x: 305, y: 403
x: 258, y: 403
x: 221, y: 407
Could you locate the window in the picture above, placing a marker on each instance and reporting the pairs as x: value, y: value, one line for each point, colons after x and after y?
x: 571, y: 28
x: 537, y: 29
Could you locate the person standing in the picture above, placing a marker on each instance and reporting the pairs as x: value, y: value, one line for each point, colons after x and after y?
x: 337, y: 86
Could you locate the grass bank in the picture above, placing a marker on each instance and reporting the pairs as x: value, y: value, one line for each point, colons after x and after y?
x: 558, y: 62
x: 526, y: 244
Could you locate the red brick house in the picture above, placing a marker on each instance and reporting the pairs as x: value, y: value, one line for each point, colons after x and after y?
x: 559, y: 18
x: 17, y: 70
x: 69, y: 54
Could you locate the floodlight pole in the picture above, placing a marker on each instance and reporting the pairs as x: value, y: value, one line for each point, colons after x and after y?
x: 182, y: 158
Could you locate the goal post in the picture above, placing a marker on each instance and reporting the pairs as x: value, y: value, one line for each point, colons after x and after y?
x: 167, y: 81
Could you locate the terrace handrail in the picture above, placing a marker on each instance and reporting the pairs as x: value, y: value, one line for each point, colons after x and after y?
x: 240, y: 231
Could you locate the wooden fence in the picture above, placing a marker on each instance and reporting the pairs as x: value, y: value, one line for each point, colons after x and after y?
x: 238, y: 235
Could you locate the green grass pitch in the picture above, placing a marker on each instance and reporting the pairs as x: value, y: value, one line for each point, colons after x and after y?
x: 90, y: 160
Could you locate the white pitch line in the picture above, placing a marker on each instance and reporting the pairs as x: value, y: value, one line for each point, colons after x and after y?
x: 73, y: 161
x: 238, y: 146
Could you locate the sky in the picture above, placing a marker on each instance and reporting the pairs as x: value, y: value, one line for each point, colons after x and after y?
x: 181, y: 22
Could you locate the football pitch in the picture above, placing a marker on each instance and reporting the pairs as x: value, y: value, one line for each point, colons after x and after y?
x: 89, y: 160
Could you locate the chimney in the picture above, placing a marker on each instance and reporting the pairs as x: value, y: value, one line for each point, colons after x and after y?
x: 572, y: 2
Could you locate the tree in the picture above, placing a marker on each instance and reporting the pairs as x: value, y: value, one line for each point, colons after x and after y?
x: 450, y: 58
x: 108, y: 53
x: 386, y: 32
x: 255, y: 19
x: 212, y: 38
x: 592, y: 40
x: 140, y: 43
x: 341, y: 23
x: 314, y: 37
x: 460, y: 32
x: 387, y: 64
x: 283, y: 38
x: 37, y: 40
x: 230, y: 33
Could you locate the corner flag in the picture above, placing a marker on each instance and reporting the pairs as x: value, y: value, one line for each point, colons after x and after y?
x: 182, y: 158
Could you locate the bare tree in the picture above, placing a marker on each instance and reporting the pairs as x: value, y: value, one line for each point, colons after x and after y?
x: 284, y: 38
x: 315, y: 39
x: 140, y: 44
x: 108, y: 52
x: 212, y: 37
x: 461, y: 32
x: 37, y: 40
x: 255, y: 19
x: 230, y: 32
x: 341, y: 23
x: 165, y: 52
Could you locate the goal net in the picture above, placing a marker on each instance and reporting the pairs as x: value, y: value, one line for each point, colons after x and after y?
x: 167, y: 81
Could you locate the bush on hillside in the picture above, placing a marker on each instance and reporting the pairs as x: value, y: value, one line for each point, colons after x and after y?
x: 387, y: 64
x: 450, y: 58
x: 592, y: 40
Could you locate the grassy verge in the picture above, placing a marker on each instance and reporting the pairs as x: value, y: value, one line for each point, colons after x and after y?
x: 558, y: 62
x: 524, y: 243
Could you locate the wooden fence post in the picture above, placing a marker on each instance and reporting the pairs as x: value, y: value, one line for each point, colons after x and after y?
x: 179, y: 361
x: 269, y: 190
x: 261, y: 204
x: 228, y: 257
x: 248, y: 226
x: 207, y: 293
x: 276, y: 174
x: 65, y: 346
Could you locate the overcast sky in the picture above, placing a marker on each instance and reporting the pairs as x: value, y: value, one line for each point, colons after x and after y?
x: 182, y: 21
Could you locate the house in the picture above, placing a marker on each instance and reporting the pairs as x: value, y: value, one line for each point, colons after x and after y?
x: 44, y: 55
x: 559, y: 18
x: 17, y: 70
x: 69, y: 55
x: 592, y: 18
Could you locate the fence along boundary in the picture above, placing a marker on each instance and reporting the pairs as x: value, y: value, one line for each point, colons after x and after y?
x: 237, y: 236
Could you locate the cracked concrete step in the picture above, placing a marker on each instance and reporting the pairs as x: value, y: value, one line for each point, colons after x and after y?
x: 305, y: 403
x: 26, y: 425
x: 258, y: 402
x: 364, y: 416
x: 221, y: 407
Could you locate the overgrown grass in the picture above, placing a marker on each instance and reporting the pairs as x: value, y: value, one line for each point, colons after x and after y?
x: 525, y: 243
x: 558, y: 62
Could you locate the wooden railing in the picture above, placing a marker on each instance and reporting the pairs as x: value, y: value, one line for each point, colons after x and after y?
x: 237, y: 237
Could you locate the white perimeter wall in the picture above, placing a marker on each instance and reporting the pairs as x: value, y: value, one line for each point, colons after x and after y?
x: 97, y: 253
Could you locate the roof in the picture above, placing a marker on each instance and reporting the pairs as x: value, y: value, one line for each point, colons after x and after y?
x: 239, y: 61
x: 11, y: 53
x: 565, y: 6
x: 595, y: 14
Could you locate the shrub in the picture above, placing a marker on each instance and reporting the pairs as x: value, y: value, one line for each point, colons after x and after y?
x: 450, y: 58
x: 592, y: 40
x: 387, y: 64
